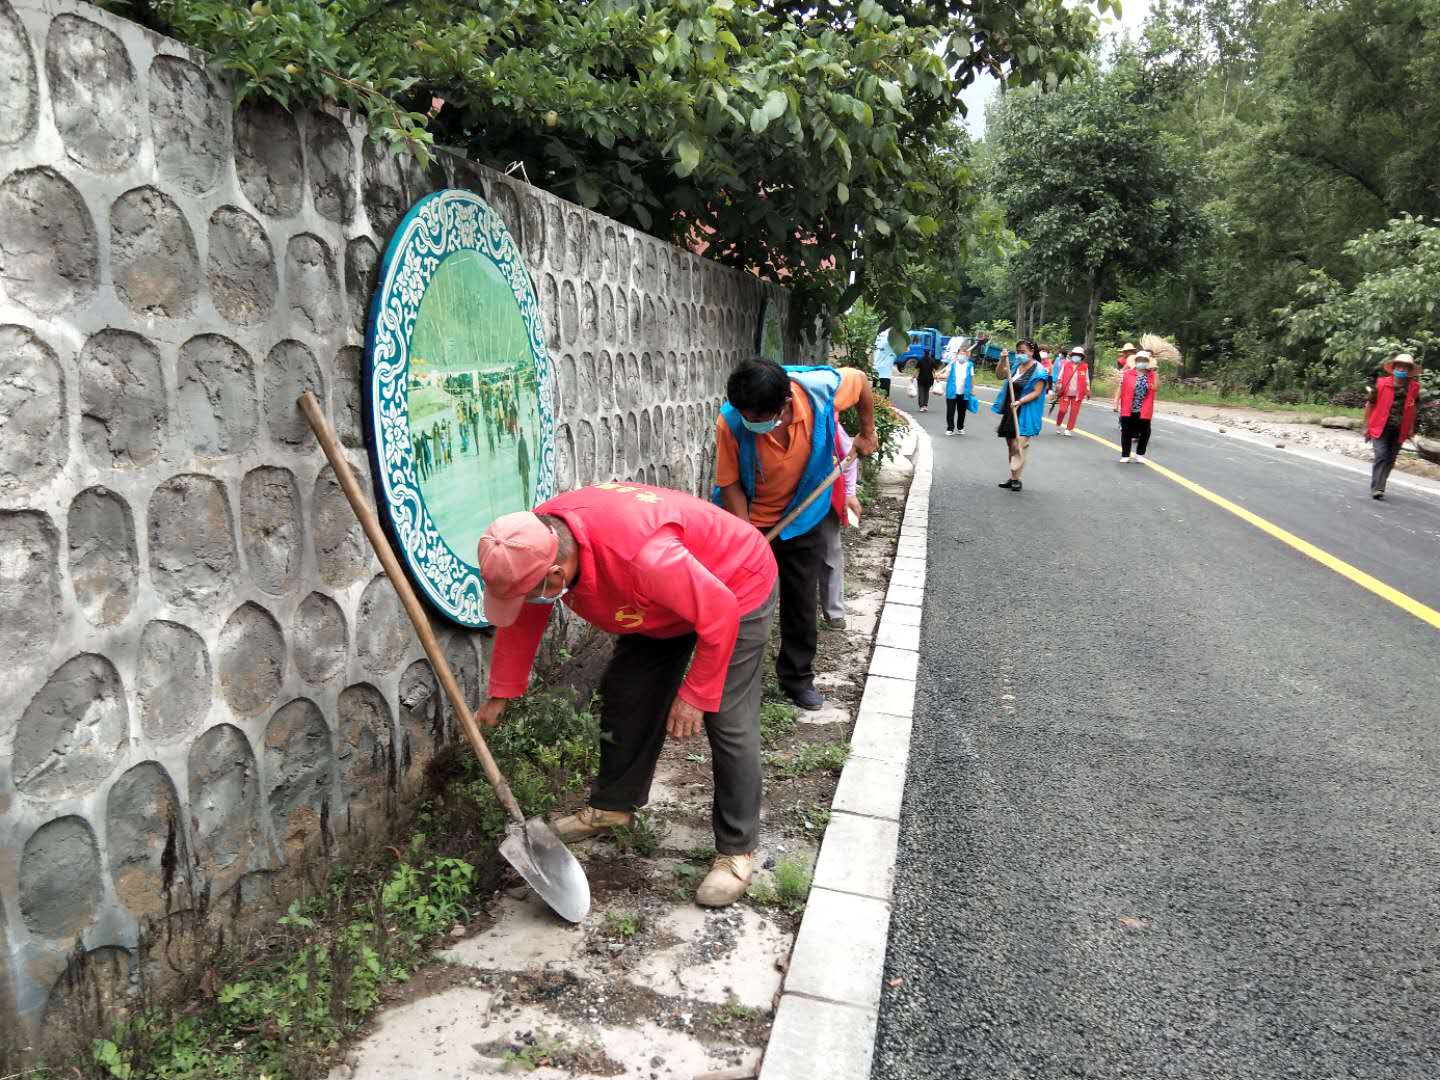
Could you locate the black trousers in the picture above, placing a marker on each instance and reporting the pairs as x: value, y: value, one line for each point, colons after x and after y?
x: 800, y: 559
x: 1133, y: 429
x: 955, y: 412
x: 1387, y: 449
x: 923, y: 392
x: 636, y: 691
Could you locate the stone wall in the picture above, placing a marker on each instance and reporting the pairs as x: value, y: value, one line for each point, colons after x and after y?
x: 207, y: 679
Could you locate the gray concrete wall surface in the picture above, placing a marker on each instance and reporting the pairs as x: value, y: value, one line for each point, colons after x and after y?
x: 207, y: 679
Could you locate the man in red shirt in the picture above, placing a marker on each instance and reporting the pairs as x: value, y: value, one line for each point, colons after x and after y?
x: 1390, y: 406
x: 671, y: 575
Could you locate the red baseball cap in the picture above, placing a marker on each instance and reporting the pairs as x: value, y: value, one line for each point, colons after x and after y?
x: 516, y: 552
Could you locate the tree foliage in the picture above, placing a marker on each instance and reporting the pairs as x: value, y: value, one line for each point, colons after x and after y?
x: 795, y: 141
x: 1091, y: 185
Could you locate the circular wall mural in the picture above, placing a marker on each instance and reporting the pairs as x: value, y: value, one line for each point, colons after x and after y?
x: 458, y: 407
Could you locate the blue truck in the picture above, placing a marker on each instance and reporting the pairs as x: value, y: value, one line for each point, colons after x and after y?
x: 927, y: 342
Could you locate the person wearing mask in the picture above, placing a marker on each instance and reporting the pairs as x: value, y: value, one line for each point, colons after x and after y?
x: 1072, y: 388
x: 832, y: 567
x: 925, y: 367
x: 674, y: 577
x: 959, y: 377
x: 775, y: 443
x: 882, y: 356
x: 1023, y: 382
x: 1135, y: 402
x: 1390, y: 406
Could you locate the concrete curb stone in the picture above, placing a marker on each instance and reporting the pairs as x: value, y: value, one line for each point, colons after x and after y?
x: 826, y: 1020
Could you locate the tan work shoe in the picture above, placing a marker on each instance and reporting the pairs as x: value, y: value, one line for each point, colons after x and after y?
x: 727, y: 881
x: 589, y: 822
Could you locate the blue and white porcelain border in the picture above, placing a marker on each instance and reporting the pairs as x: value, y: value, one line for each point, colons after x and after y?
x: 826, y: 1021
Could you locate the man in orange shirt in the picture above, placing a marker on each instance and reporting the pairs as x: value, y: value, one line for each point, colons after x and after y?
x: 775, y: 443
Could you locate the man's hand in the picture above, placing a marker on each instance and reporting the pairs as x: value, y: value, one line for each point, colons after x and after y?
x: 853, y: 505
x: 489, y: 713
x: 685, y: 720
x: 865, y: 445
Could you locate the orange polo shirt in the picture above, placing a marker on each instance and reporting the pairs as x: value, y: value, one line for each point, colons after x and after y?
x: 780, y: 467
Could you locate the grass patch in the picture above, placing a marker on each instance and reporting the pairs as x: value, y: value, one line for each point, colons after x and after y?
x: 809, y: 758
x: 732, y: 1012
x: 638, y: 838
x: 815, y: 819
x: 777, y: 720
x: 790, y: 888
x: 624, y: 924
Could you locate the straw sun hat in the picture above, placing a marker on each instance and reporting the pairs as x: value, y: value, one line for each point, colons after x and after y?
x: 1399, y: 358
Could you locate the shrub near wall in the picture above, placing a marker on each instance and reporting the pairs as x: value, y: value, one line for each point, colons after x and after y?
x: 207, y: 680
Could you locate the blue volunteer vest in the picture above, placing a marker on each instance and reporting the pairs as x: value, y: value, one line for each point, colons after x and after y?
x: 819, y: 384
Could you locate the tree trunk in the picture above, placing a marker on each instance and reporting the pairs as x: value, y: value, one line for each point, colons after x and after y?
x: 1186, y: 337
x: 1020, y: 312
x: 1044, y: 295
x: 1092, y: 316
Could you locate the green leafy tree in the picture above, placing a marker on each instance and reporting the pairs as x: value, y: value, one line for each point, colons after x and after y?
x: 784, y: 138
x: 1090, y: 184
x: 1391, y: 308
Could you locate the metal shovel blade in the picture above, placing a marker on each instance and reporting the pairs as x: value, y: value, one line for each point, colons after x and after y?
x: 548, y: 867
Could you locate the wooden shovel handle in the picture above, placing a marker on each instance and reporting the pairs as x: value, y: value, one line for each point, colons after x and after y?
x: 824, y: 486
x: 408, y: 599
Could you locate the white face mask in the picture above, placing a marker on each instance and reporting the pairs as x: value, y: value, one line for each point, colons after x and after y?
x: 1142, y: 365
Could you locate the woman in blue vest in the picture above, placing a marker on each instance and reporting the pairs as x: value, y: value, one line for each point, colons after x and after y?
x: 959, y: 386
x: 1025, y: 385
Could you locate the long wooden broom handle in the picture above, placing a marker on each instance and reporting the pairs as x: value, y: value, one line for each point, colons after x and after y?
x: 824, y: 486
x: 408, y: 599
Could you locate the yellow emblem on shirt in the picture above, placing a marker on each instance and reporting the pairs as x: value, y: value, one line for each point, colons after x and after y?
x: 629, y: 617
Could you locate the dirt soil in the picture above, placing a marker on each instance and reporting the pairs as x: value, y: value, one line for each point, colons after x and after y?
x: 649, y: 985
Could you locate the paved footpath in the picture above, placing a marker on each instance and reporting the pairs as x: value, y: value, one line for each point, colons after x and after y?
x: 1173, y: 806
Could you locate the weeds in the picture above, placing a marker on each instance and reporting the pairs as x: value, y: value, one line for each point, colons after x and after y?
x: 732, y: 1012
x: 777, y: 720
x: 789, y: 889
x: 809, y: 758
x: 638, y: 838
x: 816, y: 817
x: 624, y: 924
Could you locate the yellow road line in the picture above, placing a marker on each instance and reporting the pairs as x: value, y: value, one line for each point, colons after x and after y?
x: 1423, y: 612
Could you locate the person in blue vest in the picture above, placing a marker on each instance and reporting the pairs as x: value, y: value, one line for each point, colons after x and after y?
x: 775, y: 443
x: 883, y: 357
x: 1024, y: 381
x: 959, y: 386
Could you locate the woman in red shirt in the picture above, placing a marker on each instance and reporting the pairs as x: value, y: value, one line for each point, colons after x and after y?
x: 1135, y: 402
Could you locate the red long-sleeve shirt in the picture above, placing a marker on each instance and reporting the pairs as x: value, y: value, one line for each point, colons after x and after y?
x: 652, y: 561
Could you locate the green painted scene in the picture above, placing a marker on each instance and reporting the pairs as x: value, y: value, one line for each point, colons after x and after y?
x: 474, y: 411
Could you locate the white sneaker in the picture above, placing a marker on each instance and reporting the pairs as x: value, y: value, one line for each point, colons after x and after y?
x: 949, y: 433
x: 1124, y: 460
x: 1069, y: 434
x: 959, y: 433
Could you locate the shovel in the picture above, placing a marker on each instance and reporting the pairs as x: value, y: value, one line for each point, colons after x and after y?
x: 824, y: 486
x: 531, y: 847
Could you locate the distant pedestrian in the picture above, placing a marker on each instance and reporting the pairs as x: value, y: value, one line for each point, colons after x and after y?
x: 1135, y: 402
x: 883, y: 358
x: 1024, y: 383
x: 959, y: 386
x: 1125, y: 358
x: 832, y: 568
x: 925, y: 366
x: 1072, y: 388
x: 1390, y: 408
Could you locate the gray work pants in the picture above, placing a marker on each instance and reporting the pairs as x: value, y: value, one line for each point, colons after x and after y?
x: 832, y: 569
x: 636, y: 692
x: 1387, y: 449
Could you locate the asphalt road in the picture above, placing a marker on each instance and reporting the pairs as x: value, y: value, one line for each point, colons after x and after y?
x: 1173, y: 807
